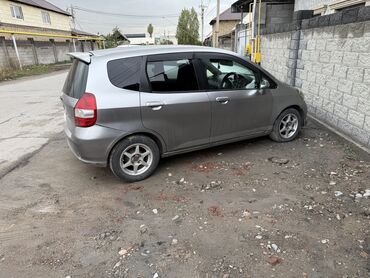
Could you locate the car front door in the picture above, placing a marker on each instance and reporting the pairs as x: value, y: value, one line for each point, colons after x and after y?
x: 173, y: 105
x: 240, y: 108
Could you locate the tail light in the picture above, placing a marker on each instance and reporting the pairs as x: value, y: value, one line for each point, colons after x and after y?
x: 85, y: 111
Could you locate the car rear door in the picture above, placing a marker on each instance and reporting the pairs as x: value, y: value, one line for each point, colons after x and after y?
x: 237, y: 111
x: 173, y: 105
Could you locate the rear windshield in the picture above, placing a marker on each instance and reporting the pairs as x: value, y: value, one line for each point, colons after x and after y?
x: 75, y: 84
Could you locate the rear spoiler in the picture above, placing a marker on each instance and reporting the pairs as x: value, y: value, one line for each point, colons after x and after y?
x: 82, y: 56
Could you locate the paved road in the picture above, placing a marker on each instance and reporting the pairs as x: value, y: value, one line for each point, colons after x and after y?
x: 30, y: 115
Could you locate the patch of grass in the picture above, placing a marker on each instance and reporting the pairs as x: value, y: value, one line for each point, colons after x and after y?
x: 14, y: 73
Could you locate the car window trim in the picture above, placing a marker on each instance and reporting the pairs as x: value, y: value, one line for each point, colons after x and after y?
x: 170, y: 57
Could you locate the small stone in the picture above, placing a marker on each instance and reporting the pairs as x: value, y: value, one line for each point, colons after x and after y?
x: 174, y: 241
x: 275, y: 247
x: 175, y: 218
x: 155, y: 211
x: 155, y: 275
x: 324, y: 241
x: 182, y: 180
x: 143, y: 229
x: 122, y: 252
x: 338, y: 193
x: 367, y: 193
x: 170, y: 174
x: 338, y: 216
x: 358, y: 195
x: 364, y: 254
x: 280, y: 161
x: 258, y: 237
x: 332, y: 183
x: 115, y: 266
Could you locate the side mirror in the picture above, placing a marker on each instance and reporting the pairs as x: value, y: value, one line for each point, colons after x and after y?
x: 264, y: 84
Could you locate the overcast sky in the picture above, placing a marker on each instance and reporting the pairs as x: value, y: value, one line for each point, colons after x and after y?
x: 170, y: 9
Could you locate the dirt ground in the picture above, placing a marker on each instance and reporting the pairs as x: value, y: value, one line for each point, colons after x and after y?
x: 250, y: 209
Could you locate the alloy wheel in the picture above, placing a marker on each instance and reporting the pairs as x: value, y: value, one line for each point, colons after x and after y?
x: 136, y: 159
x: 288, y: 126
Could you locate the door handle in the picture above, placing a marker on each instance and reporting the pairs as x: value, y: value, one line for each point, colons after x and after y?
x: 223, y: 100
x: 155, y: 105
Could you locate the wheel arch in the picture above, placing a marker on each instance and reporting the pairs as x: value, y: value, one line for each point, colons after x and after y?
x: 160, y: 143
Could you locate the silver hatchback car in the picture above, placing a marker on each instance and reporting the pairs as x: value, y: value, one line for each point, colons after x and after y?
x: 128, y: 107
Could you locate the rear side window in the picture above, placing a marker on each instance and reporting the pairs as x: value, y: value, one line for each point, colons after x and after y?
x: 174, y: 75
x: 75, y: 84
x: 125, y: 73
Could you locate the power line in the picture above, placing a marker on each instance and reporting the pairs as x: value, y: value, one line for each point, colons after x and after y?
x: 119, y: 14
x: 211, y: 10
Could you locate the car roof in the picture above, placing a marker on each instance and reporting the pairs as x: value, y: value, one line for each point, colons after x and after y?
x: 132, y: 51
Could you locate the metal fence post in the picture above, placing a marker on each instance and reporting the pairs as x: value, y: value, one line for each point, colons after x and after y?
x: 54, y: 50
x: 34, y: 51
x: 6, y: 53
x: 74, y: 45
x: 16, y: 52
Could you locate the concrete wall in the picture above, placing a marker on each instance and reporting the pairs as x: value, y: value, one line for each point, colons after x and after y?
x: 39, y: 52
x: 277, y: 14
x: 225, y: 27
x: 275, y: 49
x: 33, y: 17
x: 331, y: 65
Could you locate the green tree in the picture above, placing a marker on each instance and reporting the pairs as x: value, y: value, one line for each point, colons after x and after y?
x: 114, y: 39
x: 188, y: 27
x: 150, y: 29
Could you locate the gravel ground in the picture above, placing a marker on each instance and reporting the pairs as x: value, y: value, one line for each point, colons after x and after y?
x: 250, y: 209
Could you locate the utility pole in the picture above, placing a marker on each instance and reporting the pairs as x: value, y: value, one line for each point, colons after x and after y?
x: 73, y: 17
x: 217, y: 24
x: 202, y: 8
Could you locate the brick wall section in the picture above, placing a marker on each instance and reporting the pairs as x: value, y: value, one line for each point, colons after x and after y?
x: 275, y: 50
x: 332, y: 68
x: 333, y: 72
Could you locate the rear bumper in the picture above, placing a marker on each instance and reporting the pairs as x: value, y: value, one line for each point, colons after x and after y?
x: 91, y: 145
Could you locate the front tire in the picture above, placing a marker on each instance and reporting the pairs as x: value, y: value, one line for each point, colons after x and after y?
x: 287, y: 126
x: 134, y: 158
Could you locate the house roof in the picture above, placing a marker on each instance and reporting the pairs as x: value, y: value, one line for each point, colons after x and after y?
x: 43, y: 5
x: 82, y: 33
x: 132, y: 36
x: 226, y: 16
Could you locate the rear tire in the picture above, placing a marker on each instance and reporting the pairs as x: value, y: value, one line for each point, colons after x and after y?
x: 287, y: 126
x: 134, y: 158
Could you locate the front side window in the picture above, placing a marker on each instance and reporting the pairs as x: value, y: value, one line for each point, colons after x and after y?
x: 226, y: 74
x: 125, y: 73
x: 16, y: 12
x: 46, y: 17
x: 173, y: 75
